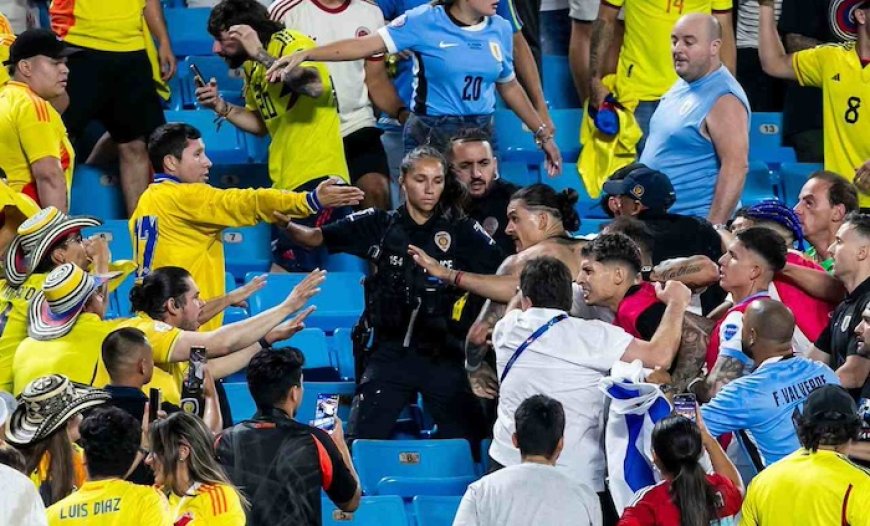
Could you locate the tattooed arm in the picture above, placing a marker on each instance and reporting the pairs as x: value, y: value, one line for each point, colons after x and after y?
x: 603, y: 30
x: 695, y: 272
x: 692, y: 352
x: 481, y: 375
x: 726, y: 370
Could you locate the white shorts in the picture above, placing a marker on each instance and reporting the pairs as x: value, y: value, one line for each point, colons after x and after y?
x: 587, y: 10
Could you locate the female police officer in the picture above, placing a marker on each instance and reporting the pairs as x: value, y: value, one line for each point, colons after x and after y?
x: 416, y: 318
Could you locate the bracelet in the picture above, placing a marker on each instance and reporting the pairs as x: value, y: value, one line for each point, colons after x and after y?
x: 692, y: 383
x: 541, y: 129
x: 145, y: 451
x: 227, y: 109
x: 457, y: 278
x: 264, y: 344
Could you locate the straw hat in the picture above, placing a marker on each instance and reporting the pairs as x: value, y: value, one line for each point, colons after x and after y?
x: 36, y: 236
x: 54, y: 310
x: 46, y: 404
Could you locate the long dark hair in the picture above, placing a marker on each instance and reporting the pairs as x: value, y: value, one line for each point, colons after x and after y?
x: 560, y: 204
x: 152, y: 293
x: 676, y: 441
x: 454, y: 197
x: 60, y: 480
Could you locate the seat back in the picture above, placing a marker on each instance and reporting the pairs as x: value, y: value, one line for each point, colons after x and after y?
x: 435, y: 511
x: 372, y: 511
x: 793, y: 177
x: 187, y: 30
x: 247, y: 250
x: 96, y: 192
x: 377, y: 459
x: 223, y: 146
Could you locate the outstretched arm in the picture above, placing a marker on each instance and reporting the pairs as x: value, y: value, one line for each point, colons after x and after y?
x: 774, y: 59
x: 500, y: 287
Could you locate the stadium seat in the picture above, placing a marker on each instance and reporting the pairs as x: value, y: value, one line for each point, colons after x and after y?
x: 517, y: 143
x: 187, y: 31
x: 312, y: 343
x: 586, y: 206
x: 96, y: 192
x: 117, y: 233
x: 766, y: 130
x: 559, y: 90
x: 258, y: 148
x: 243, y: 407
x: 793, y: 177
x: 339, y: 303
x: 373, y: 511
x: 230, y: 81
x: 759, y: 185
x: 345, y: 390
x: 391, y: 460
x: 520, y: 174
x: 247, y: 250
x: 484, y: 455
x: 408, y: 487
x: 346, y: 263
x: 233, y: 314
x: 591, y: 225
x: 224, y: 146
x: 435, y: 511
x: 343, y: 350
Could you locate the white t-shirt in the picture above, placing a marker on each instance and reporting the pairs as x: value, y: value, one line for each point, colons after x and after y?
x: 565, y: 363
x: 528, y: 494
x: 354, y: 18
x: 19, y: 501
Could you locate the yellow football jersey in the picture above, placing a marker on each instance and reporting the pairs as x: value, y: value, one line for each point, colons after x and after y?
x: 210, y: 505
x: 162, y: 337
x: 845, y: 83
x: 809, y: 488
x: 646, y: 65
x: 13, y: 322
x: 76, y: 355
x: 98, y: 24
x: 306, y: 137
x: 180, y: 224
x: 111, y: 502
x: 30, y: 130
x: 5, y: 26
x: 6, y: 40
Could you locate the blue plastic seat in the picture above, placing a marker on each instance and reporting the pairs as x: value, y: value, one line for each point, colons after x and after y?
x: 520, y: 174
x: 230, y: 81
x: 793, y: 177
x: 339, y: 304
x: 96, y: 192
x: 484, y: 455
x: 243, y: 407
x: 766, y: 130
x: 517, y: 143
x: 248, y: 250
x: 759, y: 185
x: 187, y: 30
x: 559, y: 90
x: 586, y: 206
x: 233, y: 314
x: 435, y: 511
x: 224, y: 146
x: 377, y: 460
x: 346, y: 263
x: 408, y: 487
x: 312, y: 343
x: 373, y: 511
x: 343, y: 350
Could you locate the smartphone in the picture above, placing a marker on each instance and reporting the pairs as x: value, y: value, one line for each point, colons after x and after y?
x: 686, y: 405
x: 198, y: 79
x: 153, y: 403
x: 325, y: 412
x: 196, y: 370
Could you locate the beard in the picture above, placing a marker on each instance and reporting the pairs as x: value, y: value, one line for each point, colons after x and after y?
x: 235, y: 61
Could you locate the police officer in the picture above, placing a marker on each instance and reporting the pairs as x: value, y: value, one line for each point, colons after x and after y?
x: 417, y: 322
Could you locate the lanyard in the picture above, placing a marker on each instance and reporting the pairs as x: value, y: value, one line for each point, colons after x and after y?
x: 530, y: 340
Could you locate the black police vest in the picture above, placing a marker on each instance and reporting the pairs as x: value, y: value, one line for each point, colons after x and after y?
x: 404, y: 303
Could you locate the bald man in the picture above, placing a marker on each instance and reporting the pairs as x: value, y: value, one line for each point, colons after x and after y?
x: 699, y: 134
x: 759, y: 407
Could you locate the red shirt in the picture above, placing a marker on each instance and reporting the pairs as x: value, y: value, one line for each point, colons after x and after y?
x: 655, y: 508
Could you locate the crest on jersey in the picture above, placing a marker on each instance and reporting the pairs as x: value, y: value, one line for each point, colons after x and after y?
x: 490, y: 224
x: 159, y: 326
x: 362, y: 32
x: 844, y: 325
x: 495, y: 49
x: 687, y: 106
x: 730, y: 331
x: 443, y: 240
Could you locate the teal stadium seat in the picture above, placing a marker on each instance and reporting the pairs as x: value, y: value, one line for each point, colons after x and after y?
x: 373, y: 511
x: 243, y: 408
x: 224, y: 146
x: 342, y: 345
x: 117, y: 233
x: 187, y: 30
x: 517, y: 143
x: 793, y: 177
x: 233, y: 314
x: 96, y: 192
x: 247, y: 250
x: 518, y: 173
x: 346, y: 263
x: 385, y: 464
x: 435, y: 511
x: 765, y: 139
x: 339, y: 304
x: 559, y: 90
x: 759, y: 185
x: 569, y: 178
x: 230, y: 81
x: 312, y: 343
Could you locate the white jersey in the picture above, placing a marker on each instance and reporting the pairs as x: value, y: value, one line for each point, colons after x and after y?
x: 352, y: 19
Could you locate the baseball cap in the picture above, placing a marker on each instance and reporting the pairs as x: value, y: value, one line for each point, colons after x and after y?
x: 652, y: 188
x: 34, y: 42
x: 830, y: 404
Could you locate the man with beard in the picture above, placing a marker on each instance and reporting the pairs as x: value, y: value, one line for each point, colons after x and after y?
x: 472, y: 160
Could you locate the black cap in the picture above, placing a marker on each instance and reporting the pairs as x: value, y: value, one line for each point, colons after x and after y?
x: 35, y: 42
x: 830, y: 404
x: 652, y: 188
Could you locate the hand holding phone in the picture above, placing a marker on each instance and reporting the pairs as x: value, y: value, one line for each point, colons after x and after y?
x: 154, y: 401
x: 326, y: 411
x: 198, y: 79
x: 686, y: 405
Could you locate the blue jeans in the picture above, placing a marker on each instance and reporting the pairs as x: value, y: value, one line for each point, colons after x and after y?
x: 642, y: 114
x: 395, y: 147
x: 423, y: 130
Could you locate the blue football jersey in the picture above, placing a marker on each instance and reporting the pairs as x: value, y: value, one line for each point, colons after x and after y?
x: 765, y: 403
x: 455, y: 67
x: 393, y: 9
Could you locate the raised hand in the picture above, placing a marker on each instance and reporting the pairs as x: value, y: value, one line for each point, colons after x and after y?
x: 305, y: 290
x: 331, y: 194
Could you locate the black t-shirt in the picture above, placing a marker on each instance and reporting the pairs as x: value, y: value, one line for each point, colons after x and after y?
x: 838, y: 339
x: 281, y: 465
x: 802, y: 109
x: 491, y: 212
x: 677, y: 236
x: 650, y: 319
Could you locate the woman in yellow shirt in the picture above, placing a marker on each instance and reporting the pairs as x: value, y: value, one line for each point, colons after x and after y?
x: 182, y: 457
x: 44, y: 427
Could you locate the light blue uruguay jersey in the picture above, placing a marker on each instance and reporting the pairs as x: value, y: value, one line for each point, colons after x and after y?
x: 455, y: 67
x: 765, y: 402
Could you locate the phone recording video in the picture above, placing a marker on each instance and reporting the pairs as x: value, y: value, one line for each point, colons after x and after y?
x: 686, y: 405
x: 325, y: 412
